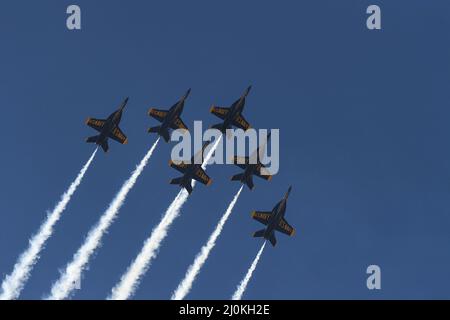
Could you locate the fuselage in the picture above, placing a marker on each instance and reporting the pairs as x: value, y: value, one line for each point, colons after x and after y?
x: 252, y: 168
x: 236, y: 109
x: 277, y: 214
x: 174, y: 112
x: 190, y: 172
x: 249, y: 171
x: 111, y: 123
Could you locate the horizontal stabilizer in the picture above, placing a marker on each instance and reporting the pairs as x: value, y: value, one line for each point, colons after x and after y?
x: 154, y: 129
x: 219, y: 127
x: 259, y: 233
x: 92, y: 139
x: 162, y: 133
x: 176, y: 181
x: 237, y: 177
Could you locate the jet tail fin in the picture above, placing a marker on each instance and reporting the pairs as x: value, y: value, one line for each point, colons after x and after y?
x: 105, y: 146
x: 259, y: 233
x: 272, y: 239
x: 165, y: 135
x: 188, y: 187
x: 179, y: 181
x: 249, y: 182
x: 240, y: 177
x: 94, y: 139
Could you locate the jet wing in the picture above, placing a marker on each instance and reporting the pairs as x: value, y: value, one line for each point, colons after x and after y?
x: 178, y: 124
x: 262, y: 216
x: 201, y: 176
x: 240, y: 122
x: 262, y: 172
x: 285, y: 228
x: 118, y: 135
x: 220, y: 112
x: 159, y: 115
x: 181, y: 167
x: 96, y: 124
x: 241, y: 162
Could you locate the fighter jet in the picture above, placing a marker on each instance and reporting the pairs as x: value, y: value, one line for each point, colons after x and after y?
x: 274, y: 220
x: 232, y: 116
x: 251, y: 169
x: 170, y: 119
x: 191, y: 171
x: 108, y: 128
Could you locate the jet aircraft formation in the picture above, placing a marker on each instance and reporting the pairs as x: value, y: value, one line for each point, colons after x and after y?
x: 231, y: 117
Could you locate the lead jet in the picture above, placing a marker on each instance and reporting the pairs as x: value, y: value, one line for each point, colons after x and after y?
x: 252, y: 166
x: 274, y: 220
x: 108, y: 128
x: 170, y: 119
x: 232, y: 116
x: 191, y: 171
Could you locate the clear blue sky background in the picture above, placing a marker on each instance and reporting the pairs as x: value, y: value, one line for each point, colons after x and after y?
x: 363, y: 118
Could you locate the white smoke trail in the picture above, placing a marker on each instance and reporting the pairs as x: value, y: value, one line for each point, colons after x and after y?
x: 72, y: 273
x: 130, y: 280
x: 243, y: 285
x: 185, y: 286
x: 14, y: 282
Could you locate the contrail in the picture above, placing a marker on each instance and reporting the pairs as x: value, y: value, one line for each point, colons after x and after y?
x: 72, y: 273
x: 243, y: 285
x: 185, y: 286
x: 130, y: 280
x: 13, y: 283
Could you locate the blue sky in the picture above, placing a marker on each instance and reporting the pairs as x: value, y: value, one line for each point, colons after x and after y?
x: 363, y: 141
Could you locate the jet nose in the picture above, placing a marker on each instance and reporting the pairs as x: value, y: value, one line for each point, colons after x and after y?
x: 248, y: 90
x: 124, y: 103
x: 187, y: 93
x: 288, y: 192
